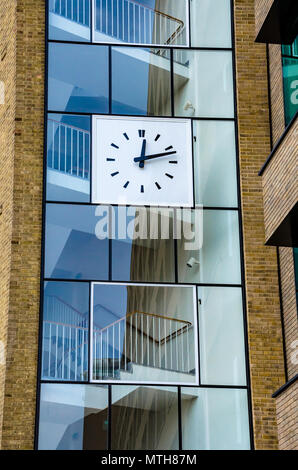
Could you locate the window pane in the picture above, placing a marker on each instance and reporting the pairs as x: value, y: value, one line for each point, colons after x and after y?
x: 222, y: 352
x: 217, y: 261
x: 203, y: 83
x: 210, y: 23
x: 72, y: 249
x: 215, y: 163
x: 214, y: 419
x: 141, y: 82
x: 68, y: 158
x: 144, y: 418
x: 78, y: 78
x: 141, y: 22
x: 144, y: 333
x: 73, y: 417
x: 290, y: 79
x: 138, y: 249
x: 65, y: 331
x: 69, y: 20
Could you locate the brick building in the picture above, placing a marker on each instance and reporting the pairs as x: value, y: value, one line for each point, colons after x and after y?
x: 136, y: 343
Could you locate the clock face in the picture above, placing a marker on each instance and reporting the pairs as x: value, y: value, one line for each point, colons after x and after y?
x: 142, y: 161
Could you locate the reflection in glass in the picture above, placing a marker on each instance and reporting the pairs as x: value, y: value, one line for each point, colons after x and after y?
x: 141, y: 81
x: 210, y: 23
x: 215, y: 163
x: 144, y: 418
x: 217, y: 261
x: 68, y: 158
x: 214, y: 419
x: 148, y: 22
x: 69, y: 20
x: 78, y: 78
x: 144, y: 333
x: 203, y: 83
x: 139, y: 251
x: 72, y: 249
x: 222, y: 352
x: 290, y: 85
x: 73, y: 417
x: 65, y: 331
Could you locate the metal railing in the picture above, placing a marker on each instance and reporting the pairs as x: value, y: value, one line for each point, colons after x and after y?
x: 73, y: 10
x: 68, y: 149
x: 130, y: 21
x: 124, y: 20
x: 65, y: 341
x: 144, y: 339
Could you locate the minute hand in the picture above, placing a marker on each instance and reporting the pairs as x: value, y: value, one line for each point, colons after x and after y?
x: 150, y: 157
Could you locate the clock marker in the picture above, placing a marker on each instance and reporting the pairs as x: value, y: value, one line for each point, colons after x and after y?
x: 126, y: 136
x: 173, y: 161
x: 115, y: 146
x: 157, y: 137
x: 111, y: 159
x: 141, y: 133
x: 169, y: 148
x: 114, y: 174
x: 126, y: 184
x: 157, y: 185
x: 169, y: 176
x: 142, y: 188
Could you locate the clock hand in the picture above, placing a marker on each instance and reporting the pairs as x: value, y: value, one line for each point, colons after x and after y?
x: 141, y: 165
x: 143, y: 158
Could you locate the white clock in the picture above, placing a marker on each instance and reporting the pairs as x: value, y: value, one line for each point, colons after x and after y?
x: 142, y: 161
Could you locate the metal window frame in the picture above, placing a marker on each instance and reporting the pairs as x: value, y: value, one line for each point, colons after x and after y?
x: 243, y: 282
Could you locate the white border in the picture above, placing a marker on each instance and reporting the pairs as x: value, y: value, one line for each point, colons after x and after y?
x: 190, y: 150
x: 125, y: 382
x: 117, y: 42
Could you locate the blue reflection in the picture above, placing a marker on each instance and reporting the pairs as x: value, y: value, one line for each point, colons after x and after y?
x: 78, y: 78
x: 69, y: 20
x: 72, y: 250
x: 68, y: 158
x: 65, y: 331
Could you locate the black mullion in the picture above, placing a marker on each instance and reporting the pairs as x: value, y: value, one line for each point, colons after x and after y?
x: 197, y: 313
x: 129, y: 283
x: 189, y: 25
x: 92, y: 23
x: 179, y: 418
x: 89, y: 334
x: 110, y: 79
x: 172, y: 82
x: 91, y: 158
x: 141, y: 46
x: 109, y: 417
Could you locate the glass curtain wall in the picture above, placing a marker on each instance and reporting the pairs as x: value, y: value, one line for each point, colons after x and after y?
x: 143, y: 326
x: 290, y: 79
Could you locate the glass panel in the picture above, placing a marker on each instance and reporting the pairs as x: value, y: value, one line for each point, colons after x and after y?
x: 215, y: 163
x: 143, y: 245
x: 203, y: 83
x: 65, y: 331
x: 144, y: 418
x: 214, y: 419
x: 78, y: 78
x: 217, y: 258
x: 144, y: 333
x: 222, y: 353
x: 69, y: 20
x: 290, y: 79
x: 68, y: 158
x: 141, y: 81
x: 73, y: 417
x: 210, y: 23
x: 141, y: 22
x: 72, y: 248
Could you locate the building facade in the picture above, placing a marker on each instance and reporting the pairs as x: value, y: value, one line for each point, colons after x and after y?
x: 148, y: 158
